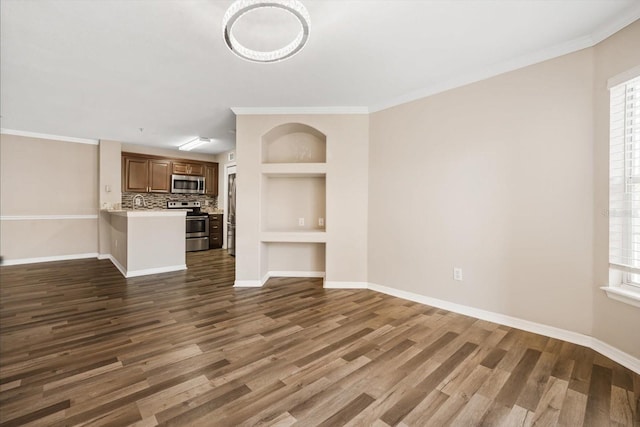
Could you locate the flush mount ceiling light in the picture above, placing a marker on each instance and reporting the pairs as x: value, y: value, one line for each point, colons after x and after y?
x: 241, y: 7
x: 193, y: 144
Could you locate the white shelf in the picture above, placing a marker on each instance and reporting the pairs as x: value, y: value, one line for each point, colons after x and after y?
x: 309, y: 236
x: 294, y: 169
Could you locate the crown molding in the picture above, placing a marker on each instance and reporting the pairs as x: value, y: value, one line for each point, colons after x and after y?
x: 516, y: 63
x: 487, y: 72
x: 48, y: 136
x: 241, y: 111
x: 619, y: 22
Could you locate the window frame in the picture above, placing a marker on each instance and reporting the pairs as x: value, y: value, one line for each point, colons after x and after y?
x: 624, y: 281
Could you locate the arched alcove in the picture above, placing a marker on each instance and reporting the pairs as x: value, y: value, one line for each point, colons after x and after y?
x: 294, y: 143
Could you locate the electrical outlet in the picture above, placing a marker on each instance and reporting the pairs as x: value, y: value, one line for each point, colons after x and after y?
x: 301, y: 222
x: 138, y: 202
x: 457, y: 273
x: 320, y: 222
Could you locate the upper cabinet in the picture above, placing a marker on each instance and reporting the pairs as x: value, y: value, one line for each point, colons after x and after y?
x: 135, y: 174
x: 144, y: 175
x: 159, y: 176
x: 211, y: 179
x: 151, y: 174
x: 188, y: 168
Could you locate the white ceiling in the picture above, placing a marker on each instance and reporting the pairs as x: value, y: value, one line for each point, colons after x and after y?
x: 103, y: 69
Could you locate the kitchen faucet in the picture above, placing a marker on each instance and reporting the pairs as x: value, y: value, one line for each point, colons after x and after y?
x: 136, y: 203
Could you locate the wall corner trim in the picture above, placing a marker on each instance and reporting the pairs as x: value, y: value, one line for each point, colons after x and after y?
x: 48, y: 136
x: 603, y: 348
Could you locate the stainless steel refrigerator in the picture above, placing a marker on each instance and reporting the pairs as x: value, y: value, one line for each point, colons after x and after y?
x: 231, y: 215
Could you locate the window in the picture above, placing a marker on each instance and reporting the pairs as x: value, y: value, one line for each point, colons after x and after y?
x: 624, y: 191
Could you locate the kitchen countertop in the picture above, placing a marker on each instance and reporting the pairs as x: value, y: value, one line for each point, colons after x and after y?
x: 147, y: 212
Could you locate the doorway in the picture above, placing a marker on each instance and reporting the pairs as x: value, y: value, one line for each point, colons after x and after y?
x: 230, y: 208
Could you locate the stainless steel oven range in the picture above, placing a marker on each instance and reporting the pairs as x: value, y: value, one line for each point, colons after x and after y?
x: 197, y: 225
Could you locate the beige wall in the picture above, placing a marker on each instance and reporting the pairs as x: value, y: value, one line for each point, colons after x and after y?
x: 346, y: 194
x: 118, y: 233
x: 614, y: 322
x: 291, y: 257
x: 54, y: 177
x: 494, y: 178
x: 498, y: 178
x: 155, y: 242
x: 110, y: 178
x: 50, y: 180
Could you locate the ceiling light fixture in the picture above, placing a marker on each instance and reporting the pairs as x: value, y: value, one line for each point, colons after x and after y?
x: 240, y: 7
x: 194, y: 144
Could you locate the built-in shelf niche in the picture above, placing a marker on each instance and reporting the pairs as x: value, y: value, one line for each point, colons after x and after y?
x: 293, y: 189
x: 294, y: 143
x: 289, y: 200
x: 295, y: 259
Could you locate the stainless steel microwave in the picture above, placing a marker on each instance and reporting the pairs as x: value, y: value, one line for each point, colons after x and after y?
x: 187, y: 184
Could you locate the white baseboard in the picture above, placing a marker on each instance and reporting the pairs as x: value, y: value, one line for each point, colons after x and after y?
x: 144, y: 272
x: 295, y: 274
x: 21, y: 261
x: 279, y: 273
x: 616, y: 355
x: 489, y: 316
x: 538, y: 328
x: 157, y: 270
x: 247, y: 284
x: 346, y: 285
x: 117, y: 264
x: 285, y: 273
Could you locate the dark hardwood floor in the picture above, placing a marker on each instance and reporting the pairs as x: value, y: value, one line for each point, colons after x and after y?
x: 81, y: 345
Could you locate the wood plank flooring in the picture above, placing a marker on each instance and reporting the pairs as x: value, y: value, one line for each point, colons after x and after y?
x: 81, y: 345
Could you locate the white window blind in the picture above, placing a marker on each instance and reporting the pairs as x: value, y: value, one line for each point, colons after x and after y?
x: 624, y: 179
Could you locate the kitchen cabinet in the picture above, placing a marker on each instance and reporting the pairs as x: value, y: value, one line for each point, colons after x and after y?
x: 188, y: 168
x: 215, y: 231
x: 211, y: 179
x: 144, y: 175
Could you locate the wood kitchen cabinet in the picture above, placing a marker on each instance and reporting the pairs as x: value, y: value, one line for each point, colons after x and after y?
x: 144, y: 175
x: 211, y: 179
x: 184, y: 168
x: 215, y: 231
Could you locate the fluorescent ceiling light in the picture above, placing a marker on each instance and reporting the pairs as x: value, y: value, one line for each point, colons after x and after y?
x: 193, y: 144
x: 240, y: 7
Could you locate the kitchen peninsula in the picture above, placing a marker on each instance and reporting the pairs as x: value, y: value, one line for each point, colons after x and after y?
x: 147, y: 241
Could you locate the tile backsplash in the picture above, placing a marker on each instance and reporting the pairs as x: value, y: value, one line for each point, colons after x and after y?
x: 159, y: 200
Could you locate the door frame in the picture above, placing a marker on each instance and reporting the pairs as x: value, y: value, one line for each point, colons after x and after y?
x: 229, y: 168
